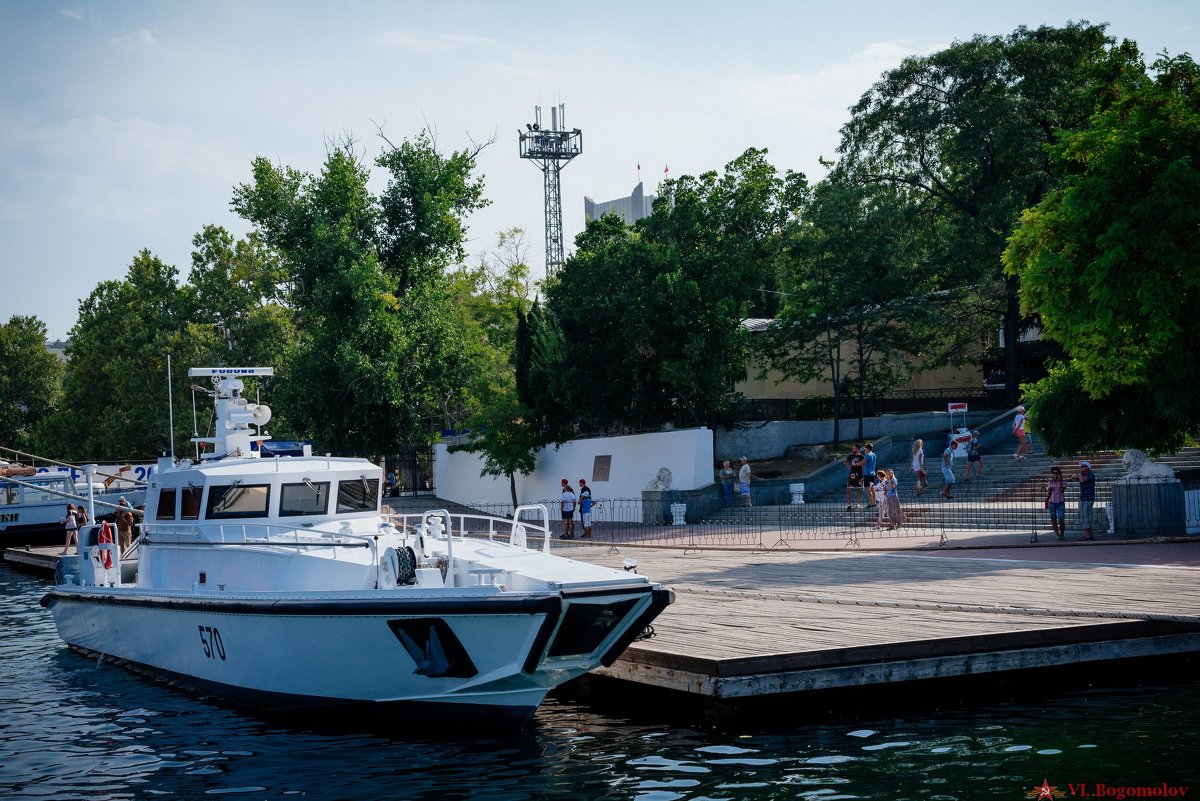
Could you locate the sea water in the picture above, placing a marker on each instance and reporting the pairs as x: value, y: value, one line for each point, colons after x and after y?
x: 73, y: 728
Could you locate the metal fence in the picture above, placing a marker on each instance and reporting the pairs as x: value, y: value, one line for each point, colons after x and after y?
x: 1122, y: 509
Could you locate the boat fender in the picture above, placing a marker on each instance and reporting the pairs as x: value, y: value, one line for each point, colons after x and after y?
x: 104, y: 555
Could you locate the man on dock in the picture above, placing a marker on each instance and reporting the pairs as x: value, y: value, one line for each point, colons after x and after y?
x: 744, y: 481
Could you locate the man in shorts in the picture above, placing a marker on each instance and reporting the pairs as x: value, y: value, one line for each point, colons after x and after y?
x: 854, y: 483
x: 566, y: 505
x: 585, y: 509
x: 948, y: 469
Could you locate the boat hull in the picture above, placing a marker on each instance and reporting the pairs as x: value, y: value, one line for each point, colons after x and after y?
x: 445, y: 659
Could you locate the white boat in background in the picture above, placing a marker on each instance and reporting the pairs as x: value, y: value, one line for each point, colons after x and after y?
x: 278, y: 583
x: 33, y: 505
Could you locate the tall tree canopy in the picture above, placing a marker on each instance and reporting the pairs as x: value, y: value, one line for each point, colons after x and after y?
x: 115, y: 404
x: 1109, y: 261
x: 30, y: 383
x: 643, y: 324
x: 380, y: 358
x: 855, y: 286
x: 967, y: 128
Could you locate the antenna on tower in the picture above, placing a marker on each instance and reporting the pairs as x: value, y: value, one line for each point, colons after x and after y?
x: 550, y: 150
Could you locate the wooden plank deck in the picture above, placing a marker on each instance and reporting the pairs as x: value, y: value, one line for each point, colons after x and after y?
x: 751, y: 624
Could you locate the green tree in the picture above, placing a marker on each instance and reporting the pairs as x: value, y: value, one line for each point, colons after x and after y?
x: 854, y: 291
x: 30, y: 383
x: 967, y: 128
x: 114, y: 403
x: 494, y: 298
x: 381, y: 356
x: 1108, y: 261
x: 643, y: 325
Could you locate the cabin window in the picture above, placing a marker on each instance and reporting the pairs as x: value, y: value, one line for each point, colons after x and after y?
x: 8, y: 494
x: 166, y: 505
x: 238, y: 500
x: 358, y: 495
x: 191, y: 503
x: 305, y: 498
x: 41, y: 494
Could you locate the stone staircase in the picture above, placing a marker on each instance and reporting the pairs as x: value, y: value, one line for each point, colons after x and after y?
x: 1010, y: 496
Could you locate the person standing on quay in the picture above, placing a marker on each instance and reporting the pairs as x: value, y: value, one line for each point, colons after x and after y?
x: 974, y: 457
x: 1021, y: 432
x: 1087, y: 497
x: 72, y: 526
x: 744, y: 476
x: 918, y: 465
x: 566, y: 505
x: 948, y: 469
x: 892, y: 493
x: 585, y: 509
x: 854, y: 463
x: 726, y: 475
x: 1056, y: 502
x: 869, y: 478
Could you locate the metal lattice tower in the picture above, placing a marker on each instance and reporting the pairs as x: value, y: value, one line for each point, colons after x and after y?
x: 550, y: 150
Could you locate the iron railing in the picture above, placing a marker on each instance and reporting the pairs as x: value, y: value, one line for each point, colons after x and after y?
x: 1124, y: 509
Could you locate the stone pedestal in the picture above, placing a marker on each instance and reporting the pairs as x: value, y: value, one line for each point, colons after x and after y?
x: 797, y: 493
x: 678, y: 513
x: 1148, y: 508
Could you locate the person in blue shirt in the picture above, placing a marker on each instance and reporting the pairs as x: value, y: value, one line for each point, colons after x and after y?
x: 868, y: 454
x: 585, y: 509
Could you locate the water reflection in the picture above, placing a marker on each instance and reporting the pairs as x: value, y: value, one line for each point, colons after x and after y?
x: 73, y: 728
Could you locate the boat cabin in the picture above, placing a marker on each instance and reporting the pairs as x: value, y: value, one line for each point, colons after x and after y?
x: 305, y: 491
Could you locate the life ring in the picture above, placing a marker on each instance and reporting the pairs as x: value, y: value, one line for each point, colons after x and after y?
x: 105, y: 538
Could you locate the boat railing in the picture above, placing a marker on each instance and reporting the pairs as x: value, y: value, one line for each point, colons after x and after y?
x: 257, y: 534
x: 530, y: 521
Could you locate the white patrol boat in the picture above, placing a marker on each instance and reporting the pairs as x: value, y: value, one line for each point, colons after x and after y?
x: 277, y: 582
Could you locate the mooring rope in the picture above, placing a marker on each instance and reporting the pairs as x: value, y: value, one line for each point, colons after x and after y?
x: 938, y: 607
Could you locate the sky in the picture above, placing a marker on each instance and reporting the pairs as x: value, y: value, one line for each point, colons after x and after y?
x: 126, y: 125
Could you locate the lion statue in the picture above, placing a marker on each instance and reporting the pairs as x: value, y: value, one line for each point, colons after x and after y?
x: 662, y: 481
x: 1139, y: 466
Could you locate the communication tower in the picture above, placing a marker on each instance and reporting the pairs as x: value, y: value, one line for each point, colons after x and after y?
x: 551, y: 149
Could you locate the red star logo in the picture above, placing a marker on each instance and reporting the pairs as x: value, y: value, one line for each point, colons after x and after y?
x: 1046, y: 790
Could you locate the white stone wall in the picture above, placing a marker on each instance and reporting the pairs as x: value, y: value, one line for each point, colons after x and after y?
x: 636, y: 459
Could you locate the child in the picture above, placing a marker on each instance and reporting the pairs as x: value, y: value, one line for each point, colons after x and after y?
x: 879, y: 491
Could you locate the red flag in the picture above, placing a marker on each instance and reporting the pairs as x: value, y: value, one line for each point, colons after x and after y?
x: 665, y: 170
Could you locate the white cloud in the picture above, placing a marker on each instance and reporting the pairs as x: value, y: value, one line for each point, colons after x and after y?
x: 823, y: 95
x: 430, y: 41
x: 117, y: 170
x: 73, y: 13
x: 142, y: 37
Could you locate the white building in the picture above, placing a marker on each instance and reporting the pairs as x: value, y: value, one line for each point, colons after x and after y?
x: 630, y: 209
